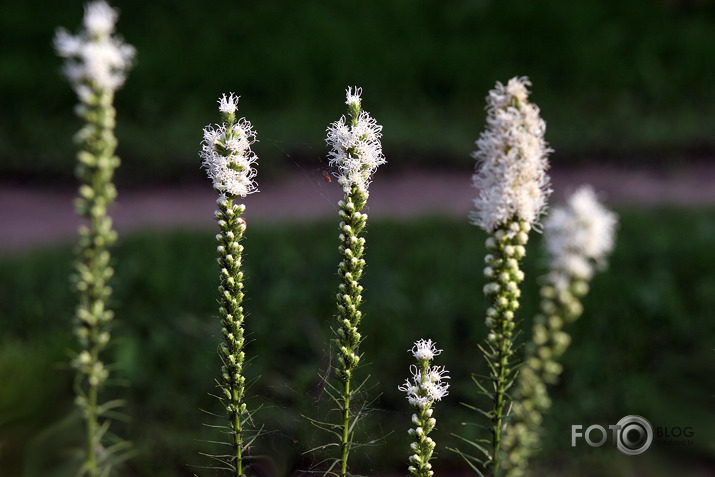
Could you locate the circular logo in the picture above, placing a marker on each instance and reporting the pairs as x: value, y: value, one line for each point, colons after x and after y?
x: 634, y: 436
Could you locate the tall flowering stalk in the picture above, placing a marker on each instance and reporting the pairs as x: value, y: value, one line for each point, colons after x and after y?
x: 228, y: 160
x: 425, y: 387
x: 356, y: 152
x: 513, y: 190
x: 96, y: 66
x: 578, y: 237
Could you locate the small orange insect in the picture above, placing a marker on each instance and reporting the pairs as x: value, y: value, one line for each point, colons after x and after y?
x: 327, y: 178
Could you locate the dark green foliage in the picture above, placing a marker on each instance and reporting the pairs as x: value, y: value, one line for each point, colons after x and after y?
x: 629, y: 78
x: 643, y: 345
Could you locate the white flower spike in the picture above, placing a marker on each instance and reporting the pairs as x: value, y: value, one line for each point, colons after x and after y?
x: 356, y: 148
x: 226, y: 152
x: 511, y: 160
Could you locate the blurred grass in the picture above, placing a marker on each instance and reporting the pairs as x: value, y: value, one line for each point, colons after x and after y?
x: 644, y: 345
x: 626, y: 79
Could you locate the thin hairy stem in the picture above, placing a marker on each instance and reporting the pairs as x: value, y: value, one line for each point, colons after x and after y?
x: 345, y: 443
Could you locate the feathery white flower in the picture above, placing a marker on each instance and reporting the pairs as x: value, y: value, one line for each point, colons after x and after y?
x: 578, y: 235
x: 436, y: 374
x: 227, y: 155
x: 426, y: 385
x: 425, y: 349
x: 436, y: 391
x: 511, y: 159
x: 95, y: 59
x: 229, y: 104
x: 356, y: 148
x: 421, y: 390
x: 99, y: 18
x: 353, y: 98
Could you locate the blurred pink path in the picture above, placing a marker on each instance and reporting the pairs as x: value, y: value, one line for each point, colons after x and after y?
x: 31, y: 216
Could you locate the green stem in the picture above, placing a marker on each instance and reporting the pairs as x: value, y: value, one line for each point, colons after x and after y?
x: 499, y: 407
x: 237, y: 438
x: 345, y: 444
x: 92, y: 443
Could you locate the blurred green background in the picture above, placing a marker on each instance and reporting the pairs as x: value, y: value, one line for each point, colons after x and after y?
x: 629, y: 82
x: 643, y: 346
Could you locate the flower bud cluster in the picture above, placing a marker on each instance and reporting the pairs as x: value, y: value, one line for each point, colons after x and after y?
x: 226, y: 152
x: 95, y: 168
x: 506, y: 247
x: 90, y: 367
x: 356, y: 147
x: 229, y: 249
x: 349, y: 296
x: 426, y: 386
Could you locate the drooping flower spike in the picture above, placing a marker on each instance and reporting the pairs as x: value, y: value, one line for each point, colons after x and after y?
x: 578, y: 236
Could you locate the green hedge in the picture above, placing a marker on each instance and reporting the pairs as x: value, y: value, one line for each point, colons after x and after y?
x: 631, y: 79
